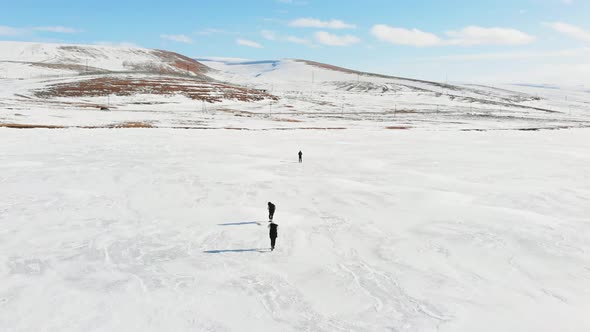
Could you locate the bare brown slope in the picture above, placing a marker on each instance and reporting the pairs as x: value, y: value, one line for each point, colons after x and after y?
x: 128, y: 86
x: 180, y: 63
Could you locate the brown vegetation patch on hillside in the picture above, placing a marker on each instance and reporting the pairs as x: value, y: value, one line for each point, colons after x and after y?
x: 330, y: 67
x: 71, y: 67
x: 130, y: 125
x: 235, y: 112
x: 28, y: 126
x: 110, y: 126
x: 170, y: 63
x: 124, y: 86
x: 181, y: 62
x: 398, y: 127
x: 140, y: 125
x: 287, y: 120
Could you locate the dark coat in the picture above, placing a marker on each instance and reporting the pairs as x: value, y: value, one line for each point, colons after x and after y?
x: 271, y: 208
x: 273, y: 230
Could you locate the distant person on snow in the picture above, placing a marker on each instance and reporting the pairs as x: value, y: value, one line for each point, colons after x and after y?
x: 271, y: 211
x: 300, y: 156
x: 273, y: 234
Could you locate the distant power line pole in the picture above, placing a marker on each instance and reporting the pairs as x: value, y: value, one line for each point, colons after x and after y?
x: 312, y: 82
x: 270, y: 108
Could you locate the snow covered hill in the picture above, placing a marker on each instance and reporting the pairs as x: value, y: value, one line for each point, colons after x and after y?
x: 60, y: 77
x: 66, y: 85
x: 34, y: 60
x: 307, y: 86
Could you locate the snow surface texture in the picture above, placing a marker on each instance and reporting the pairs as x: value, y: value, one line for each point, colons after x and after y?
x: 428, y: 229
x: 156, y: 230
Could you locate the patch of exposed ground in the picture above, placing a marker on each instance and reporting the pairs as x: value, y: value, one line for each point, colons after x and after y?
x: 131, y: 125
x: 181, y: 62
x: 281, y: 129
x: 72, y: 67
x: 40, y: 126
x: 287, y: 120
x: 398, y: 127
x: 236, y: 112
x: 527, y: 128
x: 28, y: 126
x: 127, y: 86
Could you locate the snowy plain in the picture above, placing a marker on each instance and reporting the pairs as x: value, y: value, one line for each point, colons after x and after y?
x: 420, y: 206
x: 421, y: 230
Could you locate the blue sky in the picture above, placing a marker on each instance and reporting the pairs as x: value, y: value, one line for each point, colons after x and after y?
x: 542, y: 41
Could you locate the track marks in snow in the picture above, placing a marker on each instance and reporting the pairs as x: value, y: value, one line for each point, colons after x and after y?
x: 286, y: 305
x: 392, y: 304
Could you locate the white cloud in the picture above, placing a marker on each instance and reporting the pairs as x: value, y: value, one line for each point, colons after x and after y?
x: 401, y: 36
x: 567, y: 2
x: 327, y: 38
x: 12, y: 31
x: 273, y: 36
x: 297, y: 40
x: 269, y: 35
x: 571, y: 30
x: 522, y: 55
x: 57, y: 29
x: 474, y: 35
x: 248, y: 43
x: 561, y: 74
x: 468, y: 36
x: 178, y: 38
x: 292, y: 2
x: 213, y: 31
x: 315, y: 23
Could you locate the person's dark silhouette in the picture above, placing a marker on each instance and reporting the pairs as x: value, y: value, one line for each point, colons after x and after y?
x: 273, y: 233
x: 300, y: 156
x: 271, y: 211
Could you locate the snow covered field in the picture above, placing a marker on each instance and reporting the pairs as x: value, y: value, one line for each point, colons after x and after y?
x: 421, y: 230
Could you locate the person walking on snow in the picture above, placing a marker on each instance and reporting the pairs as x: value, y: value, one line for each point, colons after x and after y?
x: 273, y: 234
x: 271, y: 211
x: 300, y: 156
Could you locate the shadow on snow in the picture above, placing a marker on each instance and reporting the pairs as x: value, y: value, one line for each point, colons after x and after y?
x: 240, y: 223
x: 236, y: 251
